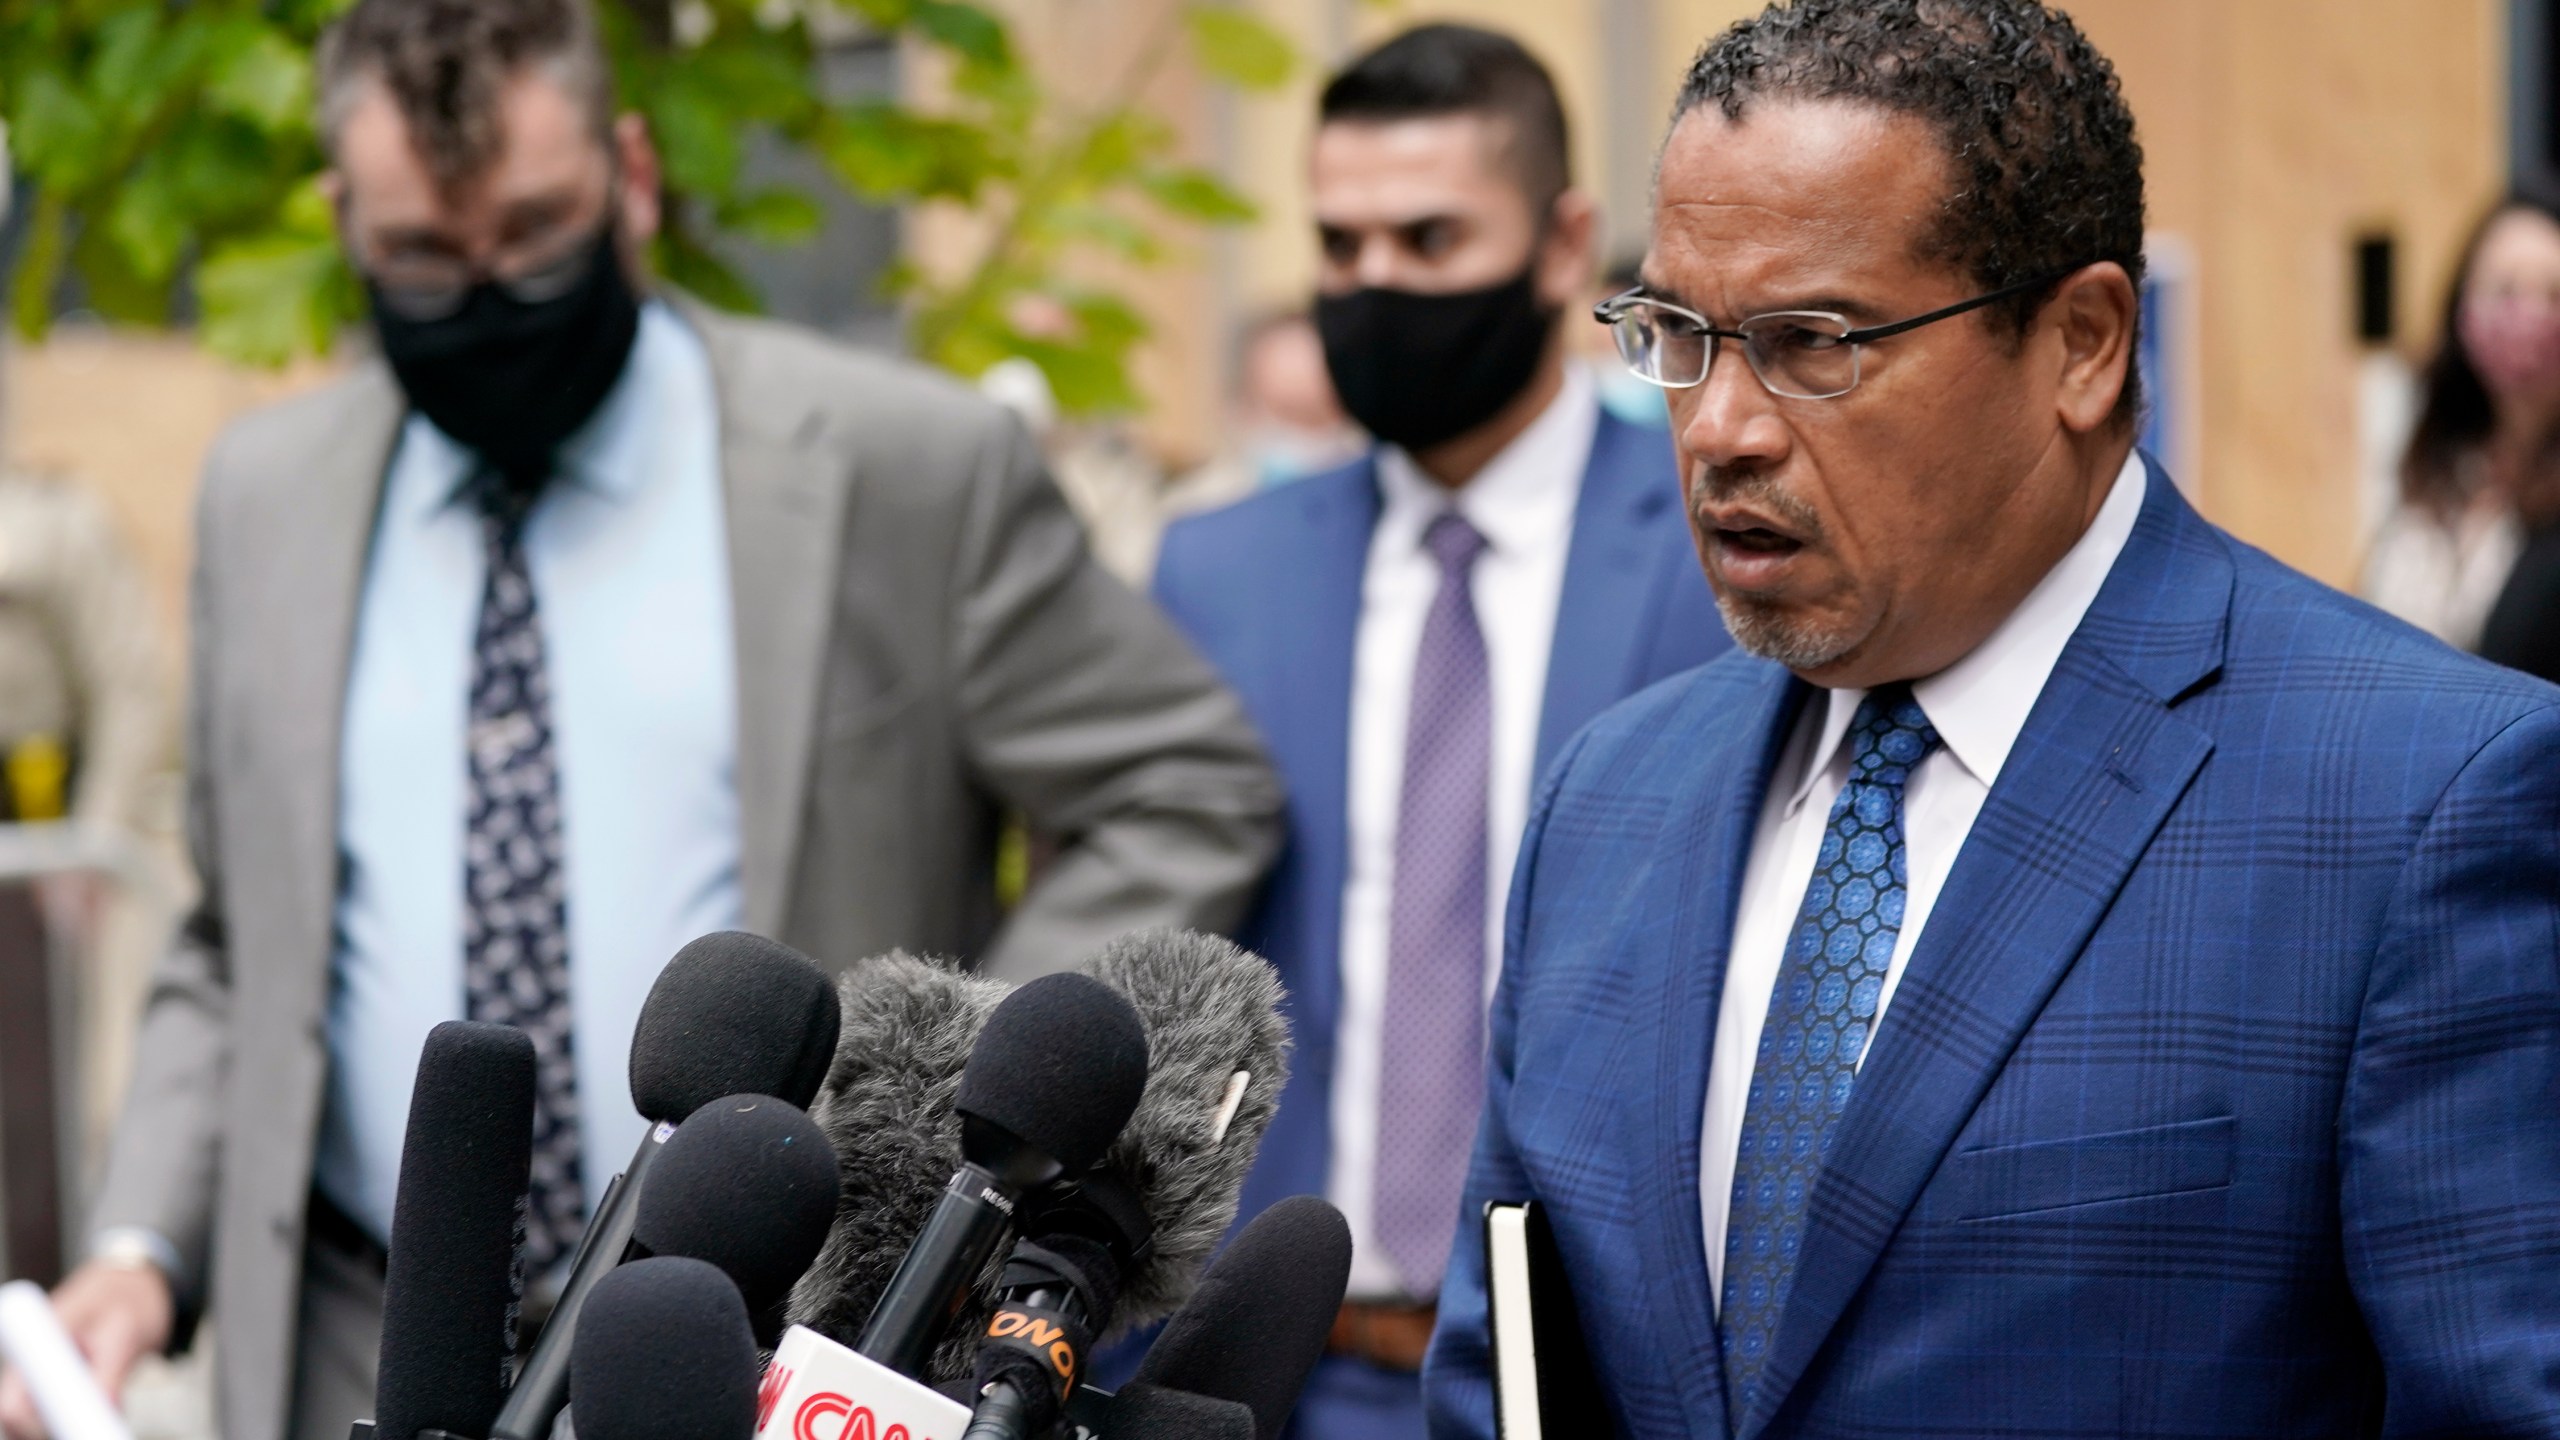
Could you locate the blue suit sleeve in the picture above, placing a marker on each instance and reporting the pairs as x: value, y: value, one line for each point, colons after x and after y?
x: 2448, y: 1147
x: 1169, y: 585
x: 1457, y: 1380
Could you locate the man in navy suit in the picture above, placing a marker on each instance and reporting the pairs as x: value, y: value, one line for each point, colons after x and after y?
x: 2073, y: 976
x: 1416, y: 634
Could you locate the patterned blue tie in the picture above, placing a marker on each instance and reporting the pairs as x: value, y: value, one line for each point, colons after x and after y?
x: 1431, y: 1072
x: 1820, y: 1012
x: 515, y: 915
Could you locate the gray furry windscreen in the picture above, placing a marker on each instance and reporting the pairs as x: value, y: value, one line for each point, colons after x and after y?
x: 1209, y: 1008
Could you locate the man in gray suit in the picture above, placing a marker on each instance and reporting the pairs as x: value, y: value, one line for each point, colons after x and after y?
x: 577, y: 625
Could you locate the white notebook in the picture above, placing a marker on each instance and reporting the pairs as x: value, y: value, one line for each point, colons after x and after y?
x: 1543, y: 1382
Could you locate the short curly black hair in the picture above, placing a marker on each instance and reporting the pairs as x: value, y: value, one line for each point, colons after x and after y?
x: 2047, y: 174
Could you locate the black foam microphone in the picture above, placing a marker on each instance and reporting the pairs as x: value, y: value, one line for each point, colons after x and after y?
x: 1050, y: 1081
x: 664, y: 1353
x: 748, y: 1184
x: 1258, y: 1324
x: 1216, y: 1062
x: 449, y: 1290
x: 732, y: 1013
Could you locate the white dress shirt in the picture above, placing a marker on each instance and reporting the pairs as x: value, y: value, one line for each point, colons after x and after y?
x: 1978, y: 705
x: 630, y: 562
x: 1523, y: 504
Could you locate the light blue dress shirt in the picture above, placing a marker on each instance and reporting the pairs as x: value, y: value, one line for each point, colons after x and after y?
x: 629, y: 555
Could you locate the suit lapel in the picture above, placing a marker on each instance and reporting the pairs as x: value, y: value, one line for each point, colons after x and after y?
x: 2101, y: 762
x: 1324, y: 573
x: 1697, y: 876
x: 1609, y: 573
x: 314, y: 578
x: 784, y: 500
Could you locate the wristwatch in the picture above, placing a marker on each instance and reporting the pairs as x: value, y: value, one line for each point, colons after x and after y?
x: 130, y: 1247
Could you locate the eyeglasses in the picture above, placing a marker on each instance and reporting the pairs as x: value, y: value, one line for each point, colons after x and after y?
x: 1801, y: 354
x: 431, y: 286
x: 425, y: 288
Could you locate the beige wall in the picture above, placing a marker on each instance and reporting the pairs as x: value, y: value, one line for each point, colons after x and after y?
x: 131, y: 414
x: 2277, y: 131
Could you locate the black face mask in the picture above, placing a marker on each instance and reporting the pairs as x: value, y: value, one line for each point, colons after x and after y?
x: 511, y: 377
x: 1419, y: 369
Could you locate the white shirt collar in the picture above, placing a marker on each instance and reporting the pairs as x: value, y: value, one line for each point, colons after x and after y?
x: 1516, y: 500
x: 1980, y: 703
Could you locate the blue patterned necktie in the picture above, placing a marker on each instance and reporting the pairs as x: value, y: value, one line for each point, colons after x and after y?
x: 515, y: 918
x: 1820, y: 1013
x: 1431, y: 1074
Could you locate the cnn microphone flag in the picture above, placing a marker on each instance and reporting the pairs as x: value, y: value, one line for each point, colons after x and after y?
x: 816, y: 1389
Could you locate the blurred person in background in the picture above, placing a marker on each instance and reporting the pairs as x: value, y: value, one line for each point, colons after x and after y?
x: 1286, y: 413
x: 579, y: 623
x: 1417, y: 634
x: 83, y: 727
x: 2472, y: 551
x: 1283, y: 423
x: 1621, y: 393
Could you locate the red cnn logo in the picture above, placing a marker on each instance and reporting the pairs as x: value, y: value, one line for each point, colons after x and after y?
x: 810, y: 1423
x: 777, y: 1378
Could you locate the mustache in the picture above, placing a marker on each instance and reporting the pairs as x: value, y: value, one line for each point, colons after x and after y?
x: 1758, y: 489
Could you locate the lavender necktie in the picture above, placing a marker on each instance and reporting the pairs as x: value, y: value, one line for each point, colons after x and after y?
x: 1431, y: 1080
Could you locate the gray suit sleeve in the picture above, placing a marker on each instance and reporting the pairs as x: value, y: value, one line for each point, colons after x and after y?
x: 162, y: 1163
x: 1086, y: 711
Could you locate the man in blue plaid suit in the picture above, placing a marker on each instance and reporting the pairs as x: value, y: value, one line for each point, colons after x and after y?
x: 2073, y: 975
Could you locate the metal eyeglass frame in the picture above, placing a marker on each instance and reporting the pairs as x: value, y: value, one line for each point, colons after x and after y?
x: 547, y: 280
x: 1608, y: 312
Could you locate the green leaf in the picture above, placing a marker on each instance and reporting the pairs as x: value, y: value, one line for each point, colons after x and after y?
x: 270, y: 297
x: 775, y: 217
x: 756, y: 76
x: 966, y: 30
x: 40, y: 265
x: 1086, y: 380
x: 695, y: 136
x: 113, y: 287
x: 1117, y: 145
x: 886, y: 152
x: 1240, y: 48
x: 264, y: 79
x: 147, y: 220
x: 228, y: 172
x: 57, y: 135
x: 129, y: 64
x: 882, y: 14
x: 1197, y: 195
x: 1109, y: 229
x: 307, y: 212
x: 1105, y: 321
